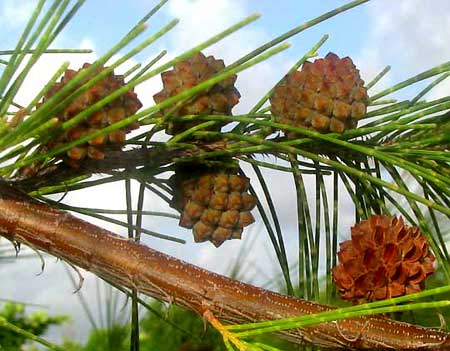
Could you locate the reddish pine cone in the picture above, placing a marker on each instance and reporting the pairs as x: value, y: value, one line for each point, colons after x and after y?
x: 327, y: 95
x: 118, y: 109
x: 216, y: 205
x: 385, y: 258
x: 219, y: 99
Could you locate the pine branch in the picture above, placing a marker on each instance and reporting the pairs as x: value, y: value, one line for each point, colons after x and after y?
x: 151, y: 158
x: 132, y: 265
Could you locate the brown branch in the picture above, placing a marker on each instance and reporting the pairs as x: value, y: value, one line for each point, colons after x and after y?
x: 153, y: 273
x: 152, y: 158
x: 155, y: 157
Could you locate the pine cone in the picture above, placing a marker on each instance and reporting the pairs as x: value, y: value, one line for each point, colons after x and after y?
x: 219, y: 99
x: 215, y: 204
x: 385, y: 258
x: 118, y: 109
x: 327, y: 95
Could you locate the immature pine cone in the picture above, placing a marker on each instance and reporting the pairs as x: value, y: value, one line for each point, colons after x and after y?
x: 219, y: 99
x: 118, y: 109
x: 327, y: 95
x: 385, y: 258
x: 216, y: 205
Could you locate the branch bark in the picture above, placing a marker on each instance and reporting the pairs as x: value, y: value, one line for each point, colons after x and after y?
x: 126, y: 263
x: 153, y: 158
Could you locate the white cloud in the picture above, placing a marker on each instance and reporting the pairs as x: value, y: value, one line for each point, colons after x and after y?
x: 15, y: 13
x: 415, y: 31
x: 47, y: 65
x: 412, y: 35
x: 196, y: 16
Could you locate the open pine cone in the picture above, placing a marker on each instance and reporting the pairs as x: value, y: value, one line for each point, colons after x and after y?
x: 215, y: 204
x: 385, y: 258
x: 327, y: 95
x: 219, y: 99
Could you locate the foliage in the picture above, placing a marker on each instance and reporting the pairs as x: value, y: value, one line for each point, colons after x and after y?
x: 193, y: 334
x: 115, y: 338
x: 185, y: 332
x: 36, y: 323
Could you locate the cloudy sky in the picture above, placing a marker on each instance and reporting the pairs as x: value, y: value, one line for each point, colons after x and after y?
x: 410, y: 35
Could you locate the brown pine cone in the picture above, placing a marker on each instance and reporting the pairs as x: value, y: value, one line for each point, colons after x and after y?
x: 327, y: 95
x: 385, y: 258
x: 219, y: 99
x: 118, y: 109
x: 215, y: 204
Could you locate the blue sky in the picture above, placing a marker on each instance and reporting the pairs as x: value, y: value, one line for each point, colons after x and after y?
x: 277, y: 18
x: 411, y: 35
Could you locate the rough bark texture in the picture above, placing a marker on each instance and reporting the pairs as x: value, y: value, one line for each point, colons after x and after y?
x: 153, y: 273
